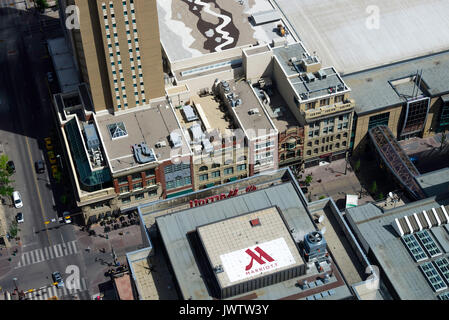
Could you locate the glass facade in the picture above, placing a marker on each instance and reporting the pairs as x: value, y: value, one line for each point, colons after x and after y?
x: 379, y: 120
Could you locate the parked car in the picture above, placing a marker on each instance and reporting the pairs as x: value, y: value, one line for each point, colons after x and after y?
x: 39, y: 166
x: 19, y: 217
x: 58, y: 279
x: 17, y: 199
x: 50, y: 76
x: 10, y: 166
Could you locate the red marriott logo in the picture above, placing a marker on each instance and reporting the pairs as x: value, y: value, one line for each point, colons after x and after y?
x: 232, y: 193
x: 258, y: 259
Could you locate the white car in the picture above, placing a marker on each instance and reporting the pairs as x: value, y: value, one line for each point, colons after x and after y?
x: 17, y: 199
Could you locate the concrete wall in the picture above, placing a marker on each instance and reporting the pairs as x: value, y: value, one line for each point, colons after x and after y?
x: 361, y: 131
x: 258, y: 65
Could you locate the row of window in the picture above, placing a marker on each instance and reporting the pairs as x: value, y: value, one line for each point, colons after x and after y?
x: 140, y: 196
x: 136, y: 176
x: 137, y: 185
x: 226, y: 171
x: 327, y: 139
x: 324, y: 102
x: 326, y: 148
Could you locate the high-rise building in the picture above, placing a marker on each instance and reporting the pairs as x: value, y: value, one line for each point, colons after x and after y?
x: 118, y: 52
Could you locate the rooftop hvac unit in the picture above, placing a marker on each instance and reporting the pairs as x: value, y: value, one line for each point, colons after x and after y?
x: 175, y: 139
x: 310, y: 77
x: 161, y: 144
x: 218, y: 269
x: 254, y: 111
x: 321, y: 74
x: 340, y: 87
x: 314, y: 245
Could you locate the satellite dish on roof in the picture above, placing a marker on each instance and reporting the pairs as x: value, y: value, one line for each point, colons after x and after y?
x: 320, y: 219
x: 323, y: 230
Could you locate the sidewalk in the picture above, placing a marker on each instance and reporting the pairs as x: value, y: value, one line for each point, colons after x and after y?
x: 330, y: 181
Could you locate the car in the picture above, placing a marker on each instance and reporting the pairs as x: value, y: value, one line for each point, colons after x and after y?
x: 19, y: 217
x: 66, y: 216
x: 39, y: 166
x: 50, y: 76
x: 10, y: 166
x: 17, y: 199
x: 58, y: 279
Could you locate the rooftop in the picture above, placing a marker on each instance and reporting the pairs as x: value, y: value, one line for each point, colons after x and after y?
x: 373, y: 91
x: 175, y: 228
x: 250, y: 122
x: 193, y: 28
x: 66, y: 72
x: 373, y: 227
x: 346, y: 35
x: 435, y: 182
x: 150, y: 125
x: 262, y: 227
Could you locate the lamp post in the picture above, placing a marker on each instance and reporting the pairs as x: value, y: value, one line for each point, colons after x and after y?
x: 60, y: 161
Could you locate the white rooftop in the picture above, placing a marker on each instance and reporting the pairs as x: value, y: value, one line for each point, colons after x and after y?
x: 340, y: 34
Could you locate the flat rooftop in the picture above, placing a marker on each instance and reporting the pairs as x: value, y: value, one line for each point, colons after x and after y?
x: 250, y: 123
x: 270, y: 232
x: 150, y: 125
x: 372, y: 226
x: 319, y: 87
x: 372, y: 90
x: 191, y: 28
x: 284, y: 54
x: 341, y: 33
x: 175, y: 227
x: 435, y: 182
x: 66, y: 72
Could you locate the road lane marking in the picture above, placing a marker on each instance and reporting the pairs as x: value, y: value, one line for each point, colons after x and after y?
x: 30, y: 157
x: 46, y: 253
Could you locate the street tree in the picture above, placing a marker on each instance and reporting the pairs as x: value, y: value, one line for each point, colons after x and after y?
x: 308, y: 179
x: 5, y: 182
x: 357, y: 166
x: 42, y: 4
x: 374, y: 187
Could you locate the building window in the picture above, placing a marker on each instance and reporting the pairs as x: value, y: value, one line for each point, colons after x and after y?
x: 139, y: 196
x: 121, y: 180
x: 137, y: 186
x: 215, y: 174
x: 241, y: 167
x: 149, y: 173
x: 124, y: 189
x: 324, y: 102
x: 151, y: 182
x: 204, y: 177
x: 126, y: 200
x: 309, y: 152
x: 152, y: 193
x: 136, y: 176
x: 203, y: 168
x: 228, y: 171
x: 379, y: 120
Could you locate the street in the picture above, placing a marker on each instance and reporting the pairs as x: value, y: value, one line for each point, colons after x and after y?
x: 46, y: 245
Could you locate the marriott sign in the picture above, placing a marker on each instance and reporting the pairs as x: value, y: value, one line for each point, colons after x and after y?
x: 257, y: 260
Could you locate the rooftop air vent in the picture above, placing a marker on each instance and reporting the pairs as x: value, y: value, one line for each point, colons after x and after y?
x: 254, y: 111
x: 310, y: 77
x: 161, y: 144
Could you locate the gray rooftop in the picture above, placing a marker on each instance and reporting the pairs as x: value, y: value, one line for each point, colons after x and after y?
x: 319, y: 87
x: 148, y: 125
x: 251, y: 123
x: 372, y: 227
x: 344, y: 35
x: 66, y: 72
x: 174, y: 227
x: 435, y: 182
x: 284, y: 54
x: 372, y: 91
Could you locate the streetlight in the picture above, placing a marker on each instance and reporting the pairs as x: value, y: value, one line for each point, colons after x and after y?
x: 15, y: 283
x: 60, y: 161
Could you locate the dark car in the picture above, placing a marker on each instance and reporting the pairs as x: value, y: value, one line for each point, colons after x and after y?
x: 39, y: 165
x: 58, y: 279
x: 19, y: 217
x: 10, y: 166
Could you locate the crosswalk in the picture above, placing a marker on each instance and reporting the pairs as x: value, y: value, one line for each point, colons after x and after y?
x: 48, y: 253
x: 61, y: 293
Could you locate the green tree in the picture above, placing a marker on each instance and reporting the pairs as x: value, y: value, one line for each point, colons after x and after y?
x: 308, y: 179
x: 357, y: 166
x: 380, y: 196
x: 42, y: 4
x: 374, y: 187
x: 5, y: 181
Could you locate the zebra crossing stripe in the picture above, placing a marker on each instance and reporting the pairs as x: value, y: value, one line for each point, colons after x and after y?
x: 46, y: 253
x: 50, y: 252
x: 64, y: 249
x: 57, y: 247
x: 40, y: 255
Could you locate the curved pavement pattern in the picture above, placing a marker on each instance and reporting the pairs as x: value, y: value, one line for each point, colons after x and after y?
x: 226, y: 20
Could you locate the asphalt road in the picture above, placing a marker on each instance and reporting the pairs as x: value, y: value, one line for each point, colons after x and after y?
x: 25, y: 120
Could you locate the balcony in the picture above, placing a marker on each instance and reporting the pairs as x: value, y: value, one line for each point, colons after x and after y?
x: 328, y: 110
